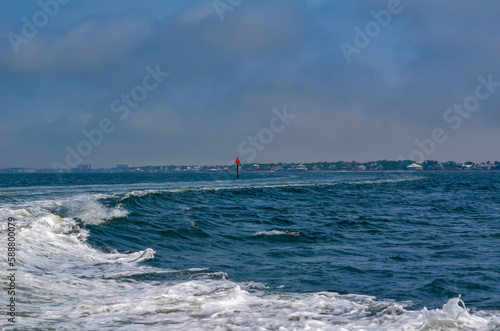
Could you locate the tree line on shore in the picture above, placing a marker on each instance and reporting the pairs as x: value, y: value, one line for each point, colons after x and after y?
x: 381, y: 165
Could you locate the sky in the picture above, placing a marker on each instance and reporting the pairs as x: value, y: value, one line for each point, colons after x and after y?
x: 203, y: 82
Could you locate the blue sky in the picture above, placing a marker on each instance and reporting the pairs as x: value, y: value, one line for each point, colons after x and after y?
x: 230, y: 63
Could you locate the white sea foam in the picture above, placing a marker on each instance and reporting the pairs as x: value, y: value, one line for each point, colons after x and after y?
x: 390, y: 180
x: 454, y: 313
x: 85, y: 208
x: 139, y: 193
x: 277, y: 233
x: 75, y: 303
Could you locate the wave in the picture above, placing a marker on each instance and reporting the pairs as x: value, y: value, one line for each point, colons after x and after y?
x: 52, y: 236
x: 49, y: 237
x: 248, y: 188
x: 86, y: 208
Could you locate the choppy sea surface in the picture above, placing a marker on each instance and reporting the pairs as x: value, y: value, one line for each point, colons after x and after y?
x: 270, y: 251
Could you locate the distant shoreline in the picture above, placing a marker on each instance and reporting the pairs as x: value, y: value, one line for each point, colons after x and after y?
x: 339, y: 166
x: 97, y: 171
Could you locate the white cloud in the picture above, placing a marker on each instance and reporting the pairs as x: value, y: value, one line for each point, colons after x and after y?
x: 87, y: 44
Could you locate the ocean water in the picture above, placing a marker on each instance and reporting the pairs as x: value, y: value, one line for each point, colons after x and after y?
x: 270, y: 251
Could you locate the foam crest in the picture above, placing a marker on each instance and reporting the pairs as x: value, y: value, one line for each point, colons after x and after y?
x: 277, y: 233
x: 454, y: 314
x: 392, y: 180
x: 214, y: 187
x: 86, y: 209
x: 52, y: 237
x: 139, y: 193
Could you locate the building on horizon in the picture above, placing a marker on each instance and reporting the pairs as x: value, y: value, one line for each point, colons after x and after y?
x: 84, y: 167
x: 301, y: 167
x: 415, y: 166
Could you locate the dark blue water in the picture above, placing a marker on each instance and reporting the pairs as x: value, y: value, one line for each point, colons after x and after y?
x: 419, y: 238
